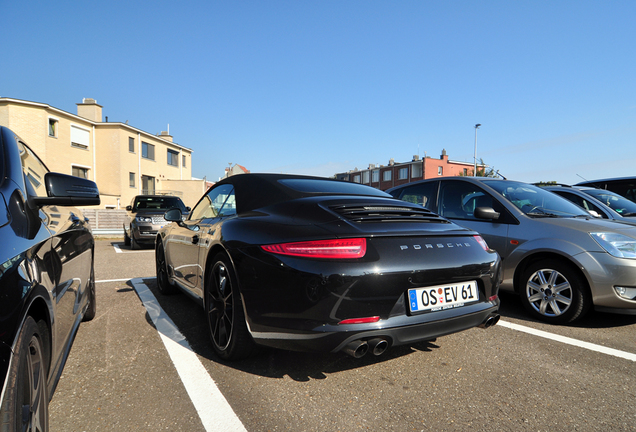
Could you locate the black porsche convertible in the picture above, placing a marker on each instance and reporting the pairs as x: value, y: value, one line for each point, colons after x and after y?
x: 315, y: 264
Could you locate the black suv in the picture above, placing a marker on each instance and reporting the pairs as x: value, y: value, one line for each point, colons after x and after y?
x: 145, y: 218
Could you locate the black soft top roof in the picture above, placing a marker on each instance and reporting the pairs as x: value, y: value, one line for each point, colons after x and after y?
x: 255, y: 191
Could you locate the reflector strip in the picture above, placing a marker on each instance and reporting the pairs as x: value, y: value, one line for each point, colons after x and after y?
x: 360, y: 320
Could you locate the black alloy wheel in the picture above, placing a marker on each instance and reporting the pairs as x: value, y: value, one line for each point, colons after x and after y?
x: 228, y: 330
x: 553, y: 292
x: 25, y: 405
x: 163, y: 283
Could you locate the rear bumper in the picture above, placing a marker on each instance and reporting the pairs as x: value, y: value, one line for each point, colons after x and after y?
x: 399, y: 330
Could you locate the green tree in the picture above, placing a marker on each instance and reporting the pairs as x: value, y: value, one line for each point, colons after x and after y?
x: 483, y: 170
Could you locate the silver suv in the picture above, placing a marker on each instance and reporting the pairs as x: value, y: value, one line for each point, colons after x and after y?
x: 145, y: 218
x: 556, y: 256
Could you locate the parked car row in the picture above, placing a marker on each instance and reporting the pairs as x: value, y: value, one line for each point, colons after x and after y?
x: 305, y: 263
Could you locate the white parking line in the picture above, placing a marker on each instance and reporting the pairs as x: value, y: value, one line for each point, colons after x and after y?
x: 215, y: 412
x: 569, y: 341
x: 119, y: 250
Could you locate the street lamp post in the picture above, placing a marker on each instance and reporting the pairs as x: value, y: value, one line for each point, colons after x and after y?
x: 475, y: 168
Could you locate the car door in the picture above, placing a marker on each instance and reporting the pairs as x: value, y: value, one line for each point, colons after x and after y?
x: 68, y: 253
x: 458, y: 201
x: 184, y: 242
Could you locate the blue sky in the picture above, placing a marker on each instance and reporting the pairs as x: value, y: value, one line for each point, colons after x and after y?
x: 320, y: 87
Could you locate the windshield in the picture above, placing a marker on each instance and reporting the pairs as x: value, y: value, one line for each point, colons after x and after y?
x: 621, y: 205
x: 534, y: 201
x: 158, y: 203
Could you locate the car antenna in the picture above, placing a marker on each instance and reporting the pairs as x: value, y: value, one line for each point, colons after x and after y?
x: 583, y: 177
x: 502, y: 176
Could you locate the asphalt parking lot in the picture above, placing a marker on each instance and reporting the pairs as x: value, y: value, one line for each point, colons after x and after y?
x: 145, y: 363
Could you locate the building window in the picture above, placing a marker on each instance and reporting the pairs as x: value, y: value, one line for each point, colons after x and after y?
x: 386, y: 175
x: 403, y: 173
x: 147, y: 151
x: 465, y: 171
x: 356, y: 178
x: 375, y: 176
x: 80, y: 137
x: 147, y: 185
x: 365, y: 177
x: 173, y: 158
x: 80, y: 172
x: 416, y: 170
x: 131, y: 144
x: 440, y: 170
x: 183, y: 161
x: 131, y: 179
x: 53, y: 127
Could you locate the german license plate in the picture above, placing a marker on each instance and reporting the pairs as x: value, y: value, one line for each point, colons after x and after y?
x: 443, y: 297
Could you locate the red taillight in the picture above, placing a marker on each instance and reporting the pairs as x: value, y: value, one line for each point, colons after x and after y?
x: 360, y: 320
x: 482, y: 242
x: 341, y: 249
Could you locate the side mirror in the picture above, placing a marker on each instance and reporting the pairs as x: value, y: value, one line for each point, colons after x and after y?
x: 129, y: 208
x: 188, y: 209
x: 486, y: 213
x: 67, y: 190
x: 173, y: 215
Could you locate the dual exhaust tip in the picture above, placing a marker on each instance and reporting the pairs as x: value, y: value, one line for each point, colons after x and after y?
x: 360, y: 348
x: 490, y: 321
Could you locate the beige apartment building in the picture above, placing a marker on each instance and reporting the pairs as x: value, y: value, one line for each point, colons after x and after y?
x: 124, y: 161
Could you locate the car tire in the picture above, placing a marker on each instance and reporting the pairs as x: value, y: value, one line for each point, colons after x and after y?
x: 163, y: 282
x: 91, y: 310
x: 133, y: 243
x: 231, y: 339
x: 126, y: 238
x: 554, y: 292
x: 26, y: 404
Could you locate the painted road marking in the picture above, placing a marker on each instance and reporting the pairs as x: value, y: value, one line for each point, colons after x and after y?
x: 119, y: 250
x: 569, y: 341
x: 215, y: 412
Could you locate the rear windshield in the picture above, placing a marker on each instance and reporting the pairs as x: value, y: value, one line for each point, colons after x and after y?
x: 318, y: 186
x: 158, y: 203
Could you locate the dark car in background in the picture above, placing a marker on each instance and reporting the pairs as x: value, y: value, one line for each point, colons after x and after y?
x: 314, y: 264
x: 624, y: 186
x: 561, y: 260
x: 46, y: 279
x: 599, y: 202
x: 145, y: 218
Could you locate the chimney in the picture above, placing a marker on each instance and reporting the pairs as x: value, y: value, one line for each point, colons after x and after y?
x: 443, y: 156
x: 165, y: 135
x: 391, y: 162
x: 89, y: 109
x: 416, y: 158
